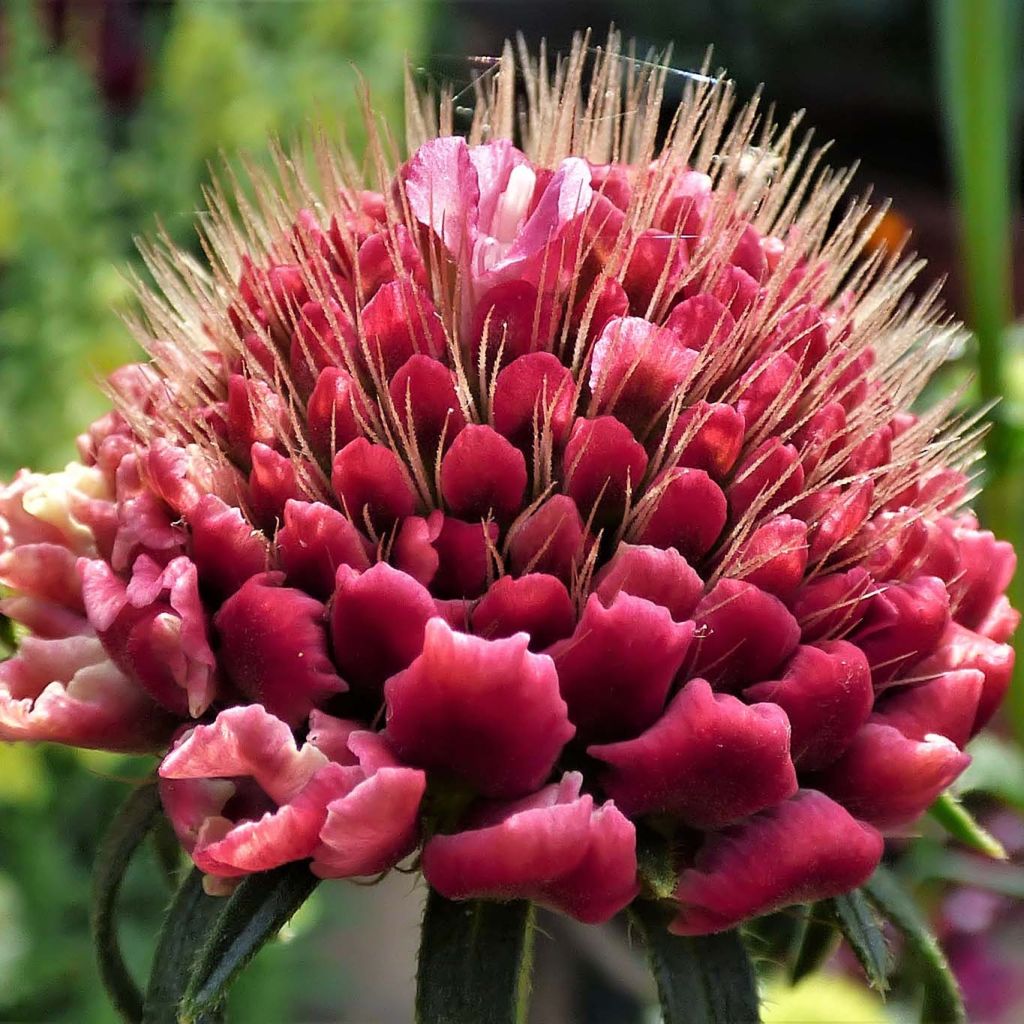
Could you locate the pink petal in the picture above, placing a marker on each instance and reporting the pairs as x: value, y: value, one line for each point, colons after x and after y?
x: 483, y: 474
x: 773, y: 379
x: 324, y: 337
x: 903, y: 624
x: 426, y: 403
x: 442, y: 189
x: 711, y: 434
x: 890, y: 780
x: 636, y: 369
x: 155, y: 630
x: 370, y: 482
x: 464, y: 558
x: 821, y: 436
x: 771, y: 476
x: 802, y: 334
x: 398, y: 322
x: 946, y: 705
x: 540, y: 244
x: 709, y: 760
x: 272, y: 483
x: 287, y: 834
x: 413, y: 550
x: 314, y: 541
x: 656, y: 262
x: 550, y: 540
x: 387, y: 255
x: 988, y: 567
x: 494, y: 163
x: 659, y: 575
x: 371, y: 828
x: 699, y: 321
x: 68, y: 691
x: 189, y: 802
x: 616, y: 669
x: 510, y: 321
x: 602, y: 464
x: 45, y: 619
x: 487, y: 711
x: 842, y: 520
x: 774, y: 556
x: 610, y: 301
x: 536, y: 604
x: 959, y: 648
x: 553, y: 847
x: 378, y: 620
x: 286, y: 670
x: 806, y: 849
x: 247, y: 742
x: 331, y: 736
x: 331, y: 418
x: 534, y: 392
x: 742, y: 635
x: 255, y: 413
x: 225, y: 548
x: 689, y: 512
x: 826, y: 693
x: 832, y: 604
x: 44, y: 570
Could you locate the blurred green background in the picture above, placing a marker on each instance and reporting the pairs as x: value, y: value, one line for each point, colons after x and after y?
x: 110, y: 111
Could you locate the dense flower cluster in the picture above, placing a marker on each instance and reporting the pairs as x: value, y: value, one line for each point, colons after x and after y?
x: 533, y: 499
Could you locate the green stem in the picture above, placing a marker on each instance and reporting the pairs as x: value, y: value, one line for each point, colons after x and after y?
x: 705, y: 979
x: 959, y: 823
x: 133, y: 822
x: 475, y: 962
x: 189, y: 921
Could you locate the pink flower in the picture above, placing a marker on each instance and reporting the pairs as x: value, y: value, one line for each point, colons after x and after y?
x: 571, y: 462
x: 243, y: 797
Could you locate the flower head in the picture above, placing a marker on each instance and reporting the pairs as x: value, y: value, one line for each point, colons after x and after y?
x: 531, y: 494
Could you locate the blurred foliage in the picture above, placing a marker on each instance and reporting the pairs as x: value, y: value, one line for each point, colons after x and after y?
x: 79, y: 181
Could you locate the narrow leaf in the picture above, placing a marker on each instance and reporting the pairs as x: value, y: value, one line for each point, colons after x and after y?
x: 705, y: 979
x: 133, y: 822
x: 960, y: 824
x: 943, y: 1003
x: 190, y: 917
x: 863, y: 931
x: 475, y: 962
x: 817, y: 942
x: 257, y: 910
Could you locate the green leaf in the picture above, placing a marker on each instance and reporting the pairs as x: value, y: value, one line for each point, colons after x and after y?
x: 862, y: 930
x: 192, y: 914
x: 132, y: 824
x: 817, y: 943
x: 253, y: 915
x: 960, y: 824
x: 475, y: 962
x: 942, y: 1000
x: 706, y: 979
